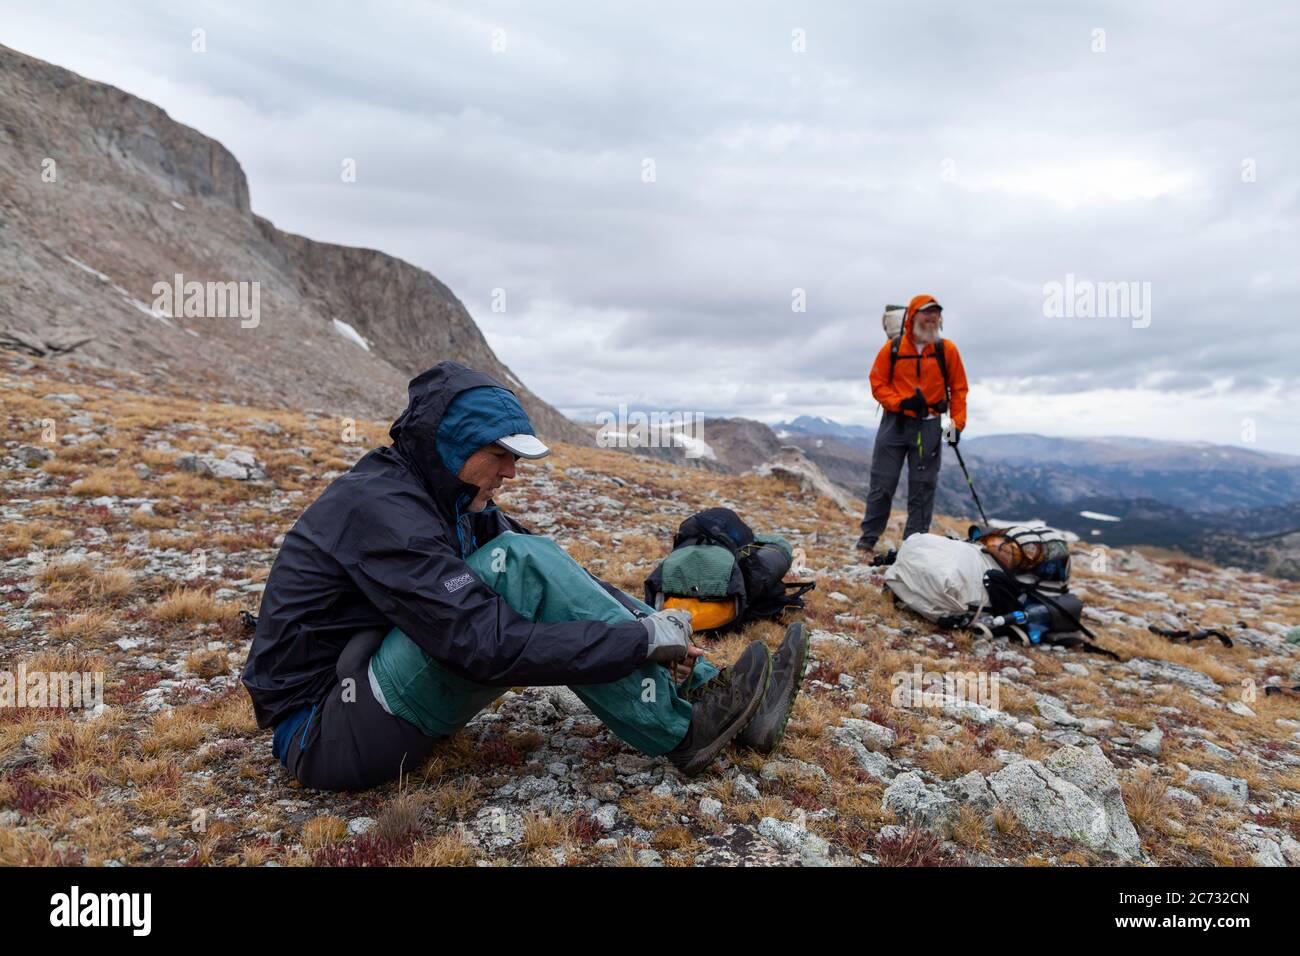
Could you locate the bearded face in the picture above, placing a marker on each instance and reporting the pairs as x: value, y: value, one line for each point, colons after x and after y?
x: 925, y: 327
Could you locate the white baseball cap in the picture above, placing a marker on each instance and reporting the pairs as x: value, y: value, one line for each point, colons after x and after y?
x: 525, y: 446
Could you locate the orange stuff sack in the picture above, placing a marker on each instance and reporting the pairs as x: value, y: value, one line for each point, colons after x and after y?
x: 1041, y: 551
x: 1007, y: 551
x: 705, y: 615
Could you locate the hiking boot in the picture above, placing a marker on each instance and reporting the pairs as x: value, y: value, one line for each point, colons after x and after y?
x: 721, y: 709
x: 765, y: 731
x: 865, y: 546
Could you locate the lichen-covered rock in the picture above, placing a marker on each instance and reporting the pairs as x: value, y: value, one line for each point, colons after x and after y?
x: 973, y: 791
x: 812, y: 849
x: 1074, y: 794
x: 874, y: 764
x: 872, y: 734
x: 1150, y: 742
x: 238, y: 464
x: 1170, y: 673
x: 910, y: 799
x: 1233, y: 789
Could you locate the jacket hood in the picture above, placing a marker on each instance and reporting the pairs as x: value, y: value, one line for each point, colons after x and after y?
x: 415, y: 432
x: 918, y: 303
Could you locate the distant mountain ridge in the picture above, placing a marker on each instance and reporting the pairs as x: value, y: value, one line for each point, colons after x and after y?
x: 1213, y: 501
x: 1021, y: 470
x: 820, y: 425
x: 1189, y: 455
x: 1195, y: 477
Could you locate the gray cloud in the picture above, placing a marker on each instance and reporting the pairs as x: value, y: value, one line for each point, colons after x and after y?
x: 823, y: 170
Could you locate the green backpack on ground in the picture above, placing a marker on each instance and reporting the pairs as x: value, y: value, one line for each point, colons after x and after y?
x: 725, y: 574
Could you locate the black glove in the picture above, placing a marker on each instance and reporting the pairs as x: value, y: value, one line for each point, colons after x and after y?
x: 951, y: 434
x: 942, y: 407
x: 914, y: 404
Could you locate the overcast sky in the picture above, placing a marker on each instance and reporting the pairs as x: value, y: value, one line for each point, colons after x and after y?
x: 860, y: 153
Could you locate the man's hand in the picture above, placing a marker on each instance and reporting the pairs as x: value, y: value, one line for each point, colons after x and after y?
x: 951, y: 433
x: 914, y: 404
x: 681, y: 670
x: 670, y: 635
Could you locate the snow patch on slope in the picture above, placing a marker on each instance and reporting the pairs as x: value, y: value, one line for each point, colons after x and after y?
x: 349, y: 333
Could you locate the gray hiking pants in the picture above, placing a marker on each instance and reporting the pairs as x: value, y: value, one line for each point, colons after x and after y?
x: 896, y: 441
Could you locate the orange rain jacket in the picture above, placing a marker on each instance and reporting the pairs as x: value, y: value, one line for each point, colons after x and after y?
x: 913, y: 371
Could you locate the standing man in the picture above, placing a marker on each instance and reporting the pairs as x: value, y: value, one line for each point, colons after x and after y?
x: 916, y: 377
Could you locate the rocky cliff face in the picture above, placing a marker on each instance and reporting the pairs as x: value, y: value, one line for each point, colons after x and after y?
x: 106, y: 195
x: 740, y: 443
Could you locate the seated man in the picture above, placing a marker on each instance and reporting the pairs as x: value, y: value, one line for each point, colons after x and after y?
x: 388, y: 621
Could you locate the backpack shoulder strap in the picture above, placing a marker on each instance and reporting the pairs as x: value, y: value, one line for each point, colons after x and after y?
x: 941, y: 358
x: 799, y: 589
x: 894, y: 343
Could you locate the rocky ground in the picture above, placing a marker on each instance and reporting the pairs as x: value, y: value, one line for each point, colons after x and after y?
x: 134, y: 529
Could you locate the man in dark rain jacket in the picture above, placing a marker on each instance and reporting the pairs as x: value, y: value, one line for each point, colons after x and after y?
x: 385, y: 558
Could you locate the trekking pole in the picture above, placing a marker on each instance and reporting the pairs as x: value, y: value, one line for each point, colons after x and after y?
x: 970, y: 485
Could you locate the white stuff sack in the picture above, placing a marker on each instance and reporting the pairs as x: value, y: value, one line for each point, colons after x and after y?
x: 936, y: 576
x: 892, y: 320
